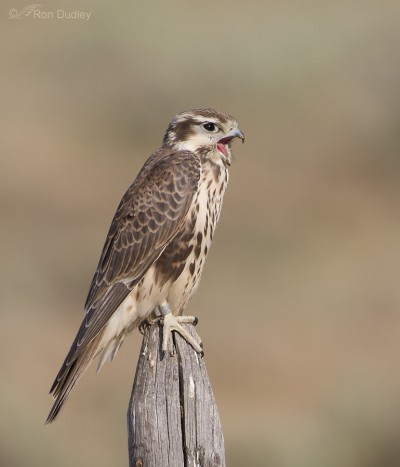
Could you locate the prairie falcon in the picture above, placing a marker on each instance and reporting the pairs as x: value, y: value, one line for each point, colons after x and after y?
x: 157, y: 243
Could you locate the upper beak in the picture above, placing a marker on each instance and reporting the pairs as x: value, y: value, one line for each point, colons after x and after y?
x: 236, y: 133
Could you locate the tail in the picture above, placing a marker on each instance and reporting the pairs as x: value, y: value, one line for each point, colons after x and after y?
x: 69, y: 374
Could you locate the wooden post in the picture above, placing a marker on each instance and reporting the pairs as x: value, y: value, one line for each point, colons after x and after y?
x: 172, y: 416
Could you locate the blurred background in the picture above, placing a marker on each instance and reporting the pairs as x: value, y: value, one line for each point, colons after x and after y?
x: 299, y: 302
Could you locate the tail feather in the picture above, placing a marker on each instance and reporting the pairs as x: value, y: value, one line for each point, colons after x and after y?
x: 68, y: 377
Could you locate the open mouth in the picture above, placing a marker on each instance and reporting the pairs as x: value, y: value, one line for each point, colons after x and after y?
x: 224, y: 144
x: 223, y: 147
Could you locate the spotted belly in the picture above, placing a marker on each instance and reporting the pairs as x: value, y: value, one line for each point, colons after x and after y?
x: 183, y: 260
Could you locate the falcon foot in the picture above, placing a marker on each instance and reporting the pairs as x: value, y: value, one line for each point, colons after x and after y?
x: 173, y: 323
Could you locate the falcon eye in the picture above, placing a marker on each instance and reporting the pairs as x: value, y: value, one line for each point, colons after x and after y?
x: 209, y: 126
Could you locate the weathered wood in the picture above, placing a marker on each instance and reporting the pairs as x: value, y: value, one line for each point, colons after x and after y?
x: 172, y: 416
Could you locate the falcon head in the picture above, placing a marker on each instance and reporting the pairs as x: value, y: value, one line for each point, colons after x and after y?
x: 206, y: 132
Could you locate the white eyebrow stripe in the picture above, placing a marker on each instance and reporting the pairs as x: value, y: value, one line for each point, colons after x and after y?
x: 216, y: 122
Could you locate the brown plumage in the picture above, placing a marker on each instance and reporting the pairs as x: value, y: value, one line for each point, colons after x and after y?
x: 155, y: 249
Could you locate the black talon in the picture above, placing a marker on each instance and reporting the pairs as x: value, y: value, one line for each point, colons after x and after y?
x: 195, y: 321
x: 202, y: 351
x: 143, y: 326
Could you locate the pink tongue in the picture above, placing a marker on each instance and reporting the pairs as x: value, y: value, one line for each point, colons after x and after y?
x: 222, y: 148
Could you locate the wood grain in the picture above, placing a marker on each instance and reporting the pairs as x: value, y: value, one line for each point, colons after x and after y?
x: 172, y: 416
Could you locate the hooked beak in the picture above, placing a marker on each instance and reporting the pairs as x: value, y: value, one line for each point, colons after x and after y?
x: 236, y: 133
x: 223, y: 145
